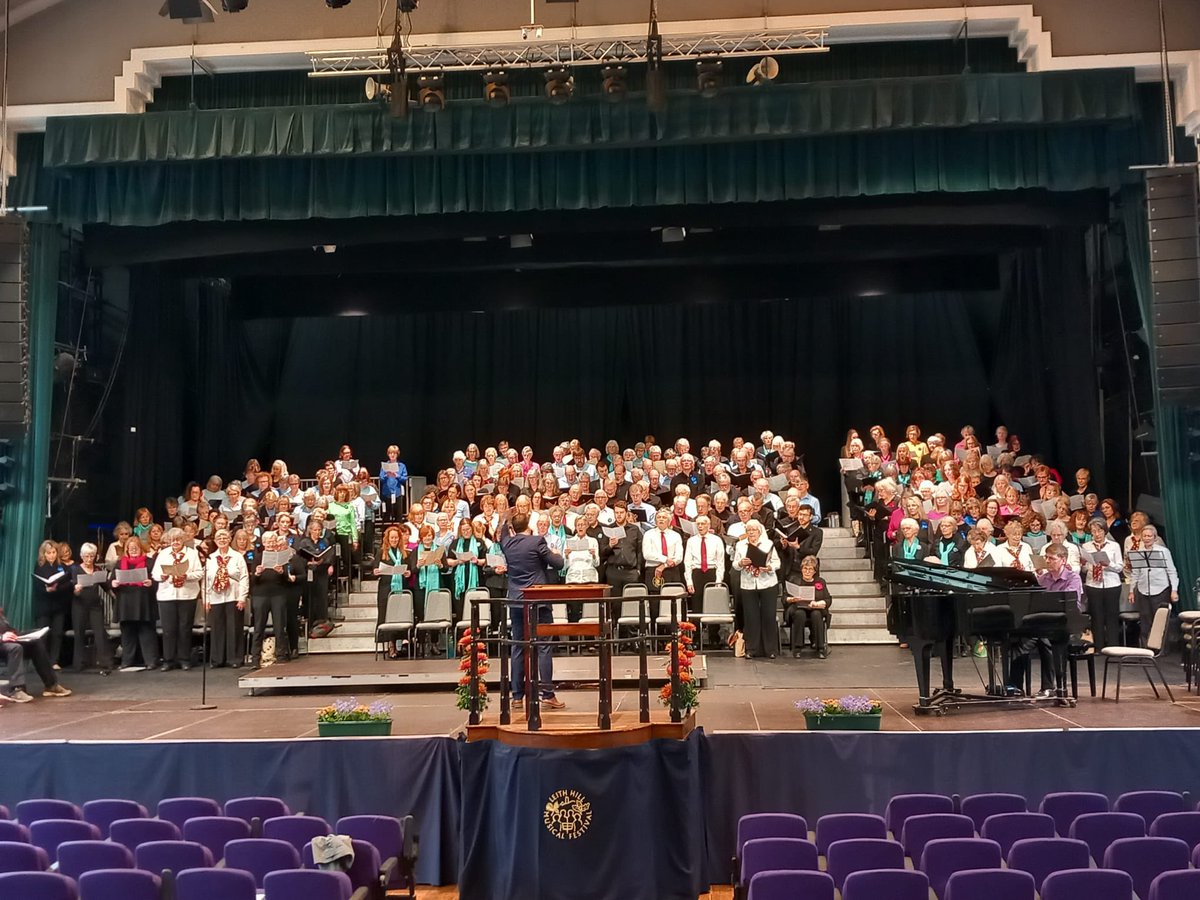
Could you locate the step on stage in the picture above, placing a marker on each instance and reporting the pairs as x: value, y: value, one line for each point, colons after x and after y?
x: 357, y: 670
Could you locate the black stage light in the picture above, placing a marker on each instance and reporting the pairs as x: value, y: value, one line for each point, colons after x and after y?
x: 431, y: 92
x: 337, y: 4
x: 408, y: 6
x: 496, y: 90
x: 234, y: 6
x: 708, y: 75
x: 615, y: 83
x: 191, y: 12
x: 560, y: 84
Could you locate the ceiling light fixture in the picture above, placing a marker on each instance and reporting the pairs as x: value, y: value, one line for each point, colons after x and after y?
x: 764, y: 71
x: 614, y: 83
x: 708, y: 75
x: 431, y: 92
x: 560, y: 84
x: 496, y: 90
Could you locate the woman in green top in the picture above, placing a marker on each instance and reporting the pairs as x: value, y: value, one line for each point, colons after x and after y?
x: 345, y: 526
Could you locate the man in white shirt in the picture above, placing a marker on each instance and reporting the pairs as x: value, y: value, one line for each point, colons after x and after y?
x: 762, y: 488
x: 703, y: 558
x: 1153, y: 580
x: 662, y: 551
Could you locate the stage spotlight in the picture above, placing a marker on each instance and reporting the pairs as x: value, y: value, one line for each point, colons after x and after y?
x: 431, y: 92
x: 337, y: 4
x: 708, y: 75
x: 560, y: 84
x: 234, y: 6
x: 407, y: 6
x: 765, y: 71
x: 615, y: 83
x: 496, y: 90
x: 190, y: 12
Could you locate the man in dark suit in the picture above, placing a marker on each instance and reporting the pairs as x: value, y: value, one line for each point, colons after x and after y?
x: 528, y: 558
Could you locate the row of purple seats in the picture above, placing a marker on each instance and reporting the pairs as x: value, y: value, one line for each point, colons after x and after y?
x: 102, y: 813
x: 199, y: 884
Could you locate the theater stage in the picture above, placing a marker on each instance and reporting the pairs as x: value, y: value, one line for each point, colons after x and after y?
x: 743, y: 696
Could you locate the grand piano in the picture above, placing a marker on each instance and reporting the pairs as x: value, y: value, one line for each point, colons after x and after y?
x: 933, y: 605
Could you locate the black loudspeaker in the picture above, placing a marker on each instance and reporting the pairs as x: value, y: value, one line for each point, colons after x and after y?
x: 14, y: 327
x: 1173, y: 205
x: 183, y: 9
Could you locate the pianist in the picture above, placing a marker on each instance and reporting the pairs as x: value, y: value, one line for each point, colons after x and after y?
x: 1055, y: 577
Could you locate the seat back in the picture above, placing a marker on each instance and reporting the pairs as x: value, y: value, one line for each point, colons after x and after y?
x: 77, y: 857
x: 49, y: 833
x: 30, y: 811
x: 715, y: 601
x: 384, y: 833
x: 1008, y: 828
x: 942, y: 857
x: 38, y: 886
x: 249, y: 808
x: 764, y: 825
x: 132, y: 832
x: 120, y: 884
x: 894, y: 884
x: 847, y: 826
x: 1067, y: 806
x: 13, y: 831
x: 1095, y: 884
x: 1150, y: 804
x: 979, y: 806
x: 1098, y: 830
x: 1177, y: 885
x: 102, y: 813
x: 399, y: 609
x: 296, y: 830
x: 861, y: 855
x: 16, y: 857
x: 258, y: 856
x: 920, y: 830
x: 482, y: 597
x: 990, y: 884
x: 1042, y: 856
x: 363, y: 872
x: 1158, y: 631
x: 1182, y: 825
x: 310, y: 884
x: 214, y: 832
x: 902, y: 806
x: 208, y: 884
x: 179, y: 809
x: 155, y: 856
x: 438, y: 607
x: 790, y: 885
x: 1145, y: 858
x: 775, y: 853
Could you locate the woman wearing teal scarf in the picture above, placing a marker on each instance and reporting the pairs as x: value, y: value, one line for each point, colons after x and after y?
x: 556, y: 539
x: 426, y: 578
x: 466, y: 571
x: 393, y: 553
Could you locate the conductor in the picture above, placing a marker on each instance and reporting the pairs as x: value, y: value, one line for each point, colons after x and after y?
x: 528, y: 559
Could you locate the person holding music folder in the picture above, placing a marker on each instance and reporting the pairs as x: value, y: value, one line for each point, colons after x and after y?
x: 87, y: 609
x: 271, y: 584
x: 527, y: 558
x: 393, y: 478
x: 52, y: 591
x: 756, y: 562
x: 1153, y: 580
x: 315, y: 548
x: 427, y: 562
x: 950, y: 547
x: 798, y: 535
x: 1102, y: 567
x: 177, y: 572
x: 583, y: 562
x: 392, y: 552
x: 226, y: 590
x: 13, y: 651
x: 465, y: 558
x: 811, y: 612
x: 979, y: 556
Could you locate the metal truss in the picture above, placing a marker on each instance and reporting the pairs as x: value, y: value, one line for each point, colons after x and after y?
x: 592, y: 52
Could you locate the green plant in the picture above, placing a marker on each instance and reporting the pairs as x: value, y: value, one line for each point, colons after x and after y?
x: 350, y: 710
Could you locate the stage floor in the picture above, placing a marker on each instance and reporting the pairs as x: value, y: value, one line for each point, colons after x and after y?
x: 757, y: 695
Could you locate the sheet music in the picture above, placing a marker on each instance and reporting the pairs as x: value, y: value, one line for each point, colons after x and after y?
x: 614, y: 531
x: 496, y: 559
x: 36, y: 635
x: 464, y: 554
x: 430, y: 557
x: 805, y: 593
x: 850, y: 465
x: 61, y: 573
x: 777, y: 483
x: 1076, y: 502
x: 175, y: 570
x: 391, y: 468
x: 132, y: 576
x: 1022, y: 461
x: 273, y: 558
x: 994, y: 450
x: 687, y: 526
x: 1036, y: 542
x: 577, y: 544
x: 385, y: 569
x: 96, y: 578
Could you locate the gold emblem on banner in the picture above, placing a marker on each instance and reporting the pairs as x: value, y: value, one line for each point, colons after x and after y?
x: 568, y: 815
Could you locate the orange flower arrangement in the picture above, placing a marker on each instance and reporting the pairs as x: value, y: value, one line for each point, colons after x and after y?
x: 467, y: 645
x: 689, y: 690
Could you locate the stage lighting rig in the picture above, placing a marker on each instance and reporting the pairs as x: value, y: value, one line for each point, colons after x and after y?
x: 431, y: 91
x: 234, y: 6
x: 708, y: 75
x: 615, y: 83
x: 496, y: 90
x: 560, y: 84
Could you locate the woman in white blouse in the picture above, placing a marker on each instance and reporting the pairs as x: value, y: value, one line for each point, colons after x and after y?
x: 1102, y: 585
x: 226, y: 588
x: 177, y: 599
x: 583, y: 566
x: 1058, y: 532
x: 759, y: 592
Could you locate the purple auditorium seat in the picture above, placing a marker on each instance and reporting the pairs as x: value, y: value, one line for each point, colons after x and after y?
x: 760, y: 825
x: 1179, y: 885
x: 119, y: 884
x: 1066, y: 807
x: 214, y: 832
x: 37, y: 886
x: 261, y: 808
x: 18, y: 833
x: 132, y: 832
x: 1150, y: 804
x: 158, y: 856
x: 894, y: 884
x: 1098, y: 830
x: 180, y: 809
x: 1092, y: 884
x: 309, y: 884
x: 77, y: 857
x: 902, y: 806
x: 790, y: 886
x: 22, y: 858
x: 1041, y: 857
x: 861, y: 855
x: 30, y: 811
x: 1008, y: 828
x: 102, y: 813
x: 1182, y: 825
x: 4, y: 813
x: 208, y: 884
x: 296, y: 830
x: 847, y: 826
x: 386, y: 834
x: 945, y: 856
x: 920, y: 830
x: 49, y: 833
x: 980, y: 806
x: 990, y: 884
x: 364, y: 872
x: 1145, y: 858
x: 777, y: 855
x: 258, y: 856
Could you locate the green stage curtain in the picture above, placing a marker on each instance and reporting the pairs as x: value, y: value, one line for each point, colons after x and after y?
x: 780, y: 111
x: 25, y: 513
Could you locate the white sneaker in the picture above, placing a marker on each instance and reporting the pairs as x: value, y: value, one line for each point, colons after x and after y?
x: 19, y: 696
x: 132, y: 669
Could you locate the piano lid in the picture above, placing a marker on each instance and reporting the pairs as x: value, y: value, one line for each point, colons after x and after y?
x: 934, y: 577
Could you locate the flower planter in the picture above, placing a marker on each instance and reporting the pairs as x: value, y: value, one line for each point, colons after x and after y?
x: 355, y: 729
x: 844, y: 722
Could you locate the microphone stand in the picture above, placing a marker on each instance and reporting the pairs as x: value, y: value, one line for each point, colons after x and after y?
x: 204, y: 704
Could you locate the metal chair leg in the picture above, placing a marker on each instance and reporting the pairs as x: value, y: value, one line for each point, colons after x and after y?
x: 1158, y: 669
x: 1091, y: 663
x: 1104, y: 686
x: 1150, y: 678
x: 1120, y: 668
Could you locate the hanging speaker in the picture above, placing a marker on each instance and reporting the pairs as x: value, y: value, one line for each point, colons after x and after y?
x: 184, y: 9
x: 14, y: 327
x: 1173, y: 213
